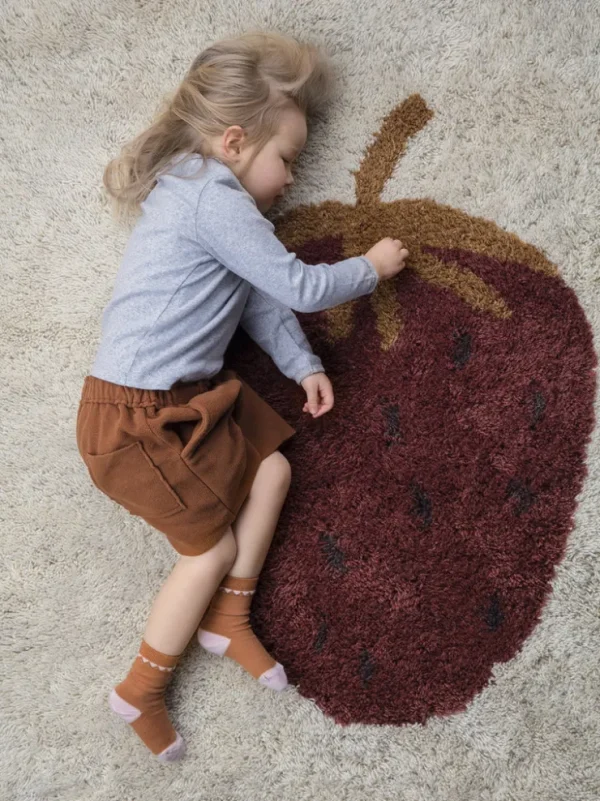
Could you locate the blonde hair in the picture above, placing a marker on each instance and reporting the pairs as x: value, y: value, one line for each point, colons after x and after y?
x: 247, y: 80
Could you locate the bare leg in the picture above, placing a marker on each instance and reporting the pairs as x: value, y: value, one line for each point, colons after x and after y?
x: 225, y: 629
x: 178, y: 608
x: 185, y: 596
x: 255, y: 524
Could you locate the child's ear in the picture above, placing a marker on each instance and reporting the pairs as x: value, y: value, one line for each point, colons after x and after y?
x: 233, y: 141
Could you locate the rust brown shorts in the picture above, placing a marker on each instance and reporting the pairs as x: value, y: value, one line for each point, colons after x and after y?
x: 183, y: 459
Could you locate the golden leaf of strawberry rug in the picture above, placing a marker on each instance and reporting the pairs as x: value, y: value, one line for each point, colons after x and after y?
x: 429, y: 508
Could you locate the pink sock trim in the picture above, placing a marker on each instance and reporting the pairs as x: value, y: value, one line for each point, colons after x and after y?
x: 130, y: 713
x: 215, y: 643
x: 274, y: 678
x: 175, y: 751
x: 123, y: 709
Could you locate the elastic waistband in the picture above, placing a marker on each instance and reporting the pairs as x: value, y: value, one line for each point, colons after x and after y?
x: 101, y: 391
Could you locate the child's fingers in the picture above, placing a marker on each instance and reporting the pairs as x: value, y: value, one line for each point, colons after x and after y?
x: 320, y: 404
x: 323, y: 407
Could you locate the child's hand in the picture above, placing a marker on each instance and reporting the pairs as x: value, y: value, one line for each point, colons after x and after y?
x: 317, y: 385
x: 388, y: 257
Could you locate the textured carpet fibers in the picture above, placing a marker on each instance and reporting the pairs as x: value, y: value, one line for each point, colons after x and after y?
x: 433, y: 587
x: 418, y: 548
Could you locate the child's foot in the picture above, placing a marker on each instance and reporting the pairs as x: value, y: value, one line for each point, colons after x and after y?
x: 225, y: 630
x: 139, y: 700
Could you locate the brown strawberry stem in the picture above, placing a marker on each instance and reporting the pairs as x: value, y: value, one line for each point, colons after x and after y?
x: 381, y: 156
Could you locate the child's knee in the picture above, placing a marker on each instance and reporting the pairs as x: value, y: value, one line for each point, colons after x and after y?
x: 277, y: 470
x: 218, y: 558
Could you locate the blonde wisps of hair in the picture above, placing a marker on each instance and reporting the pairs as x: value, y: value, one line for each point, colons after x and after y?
x: 246, y: 80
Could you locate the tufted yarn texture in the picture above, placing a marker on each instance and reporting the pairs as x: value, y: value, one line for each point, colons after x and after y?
x: 448, y: 470
x: 433, y: 588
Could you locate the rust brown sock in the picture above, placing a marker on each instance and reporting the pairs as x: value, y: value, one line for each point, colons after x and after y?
x: 225, y: 630
x: 139, y: 700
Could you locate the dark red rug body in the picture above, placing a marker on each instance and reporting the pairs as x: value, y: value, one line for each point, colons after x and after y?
x: 429, y: 508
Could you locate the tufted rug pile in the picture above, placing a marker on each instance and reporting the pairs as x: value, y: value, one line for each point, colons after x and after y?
x: 433, y: 587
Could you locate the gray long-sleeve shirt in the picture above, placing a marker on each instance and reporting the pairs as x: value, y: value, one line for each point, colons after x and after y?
x: 201, y: 260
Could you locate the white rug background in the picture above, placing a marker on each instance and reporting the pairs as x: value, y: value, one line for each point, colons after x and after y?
x: 515, y: 139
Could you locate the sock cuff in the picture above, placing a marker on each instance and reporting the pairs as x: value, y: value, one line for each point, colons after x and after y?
x: 236, y: 585
x: 154, y: 658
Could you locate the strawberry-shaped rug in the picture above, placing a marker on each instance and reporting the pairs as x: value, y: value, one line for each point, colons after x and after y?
x: 429, y: 508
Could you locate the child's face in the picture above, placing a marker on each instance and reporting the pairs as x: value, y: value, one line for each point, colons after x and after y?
x: 270, y: 173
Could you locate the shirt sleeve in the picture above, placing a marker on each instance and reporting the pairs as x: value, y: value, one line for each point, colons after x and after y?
x: 232, y: 229
x: 277, y: 330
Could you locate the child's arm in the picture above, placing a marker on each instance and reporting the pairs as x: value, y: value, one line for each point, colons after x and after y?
x: 277, y: 330
x: 231, y: 228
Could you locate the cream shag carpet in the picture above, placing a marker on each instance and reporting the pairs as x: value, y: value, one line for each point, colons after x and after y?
x: 514, y: 139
